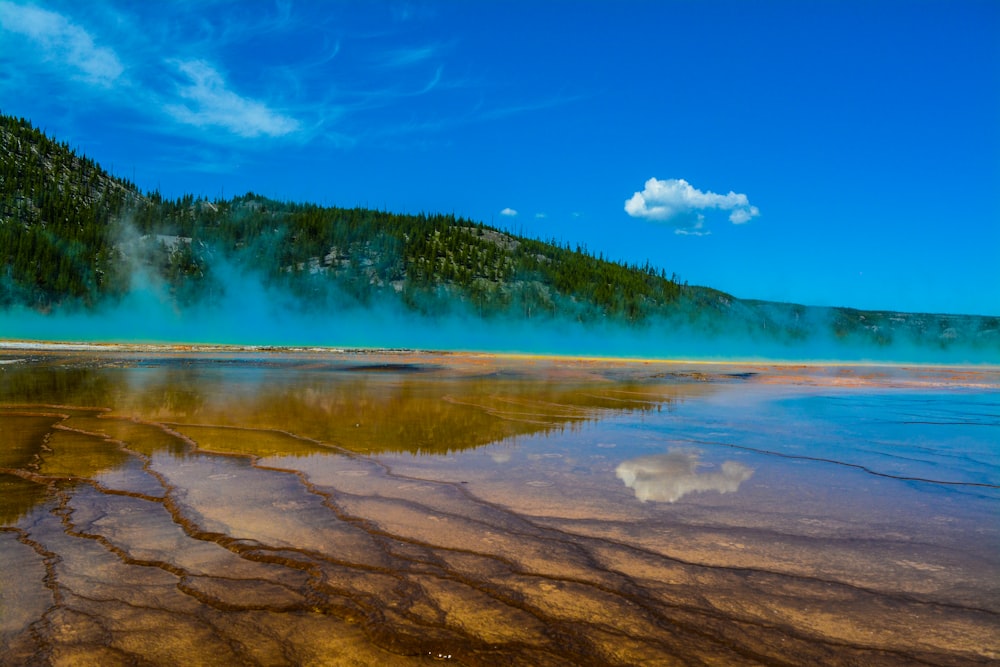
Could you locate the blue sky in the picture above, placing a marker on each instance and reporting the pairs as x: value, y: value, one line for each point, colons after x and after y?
x: 827, y: 153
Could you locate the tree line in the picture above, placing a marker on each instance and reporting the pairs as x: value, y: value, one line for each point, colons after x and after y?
x: 71, y: 234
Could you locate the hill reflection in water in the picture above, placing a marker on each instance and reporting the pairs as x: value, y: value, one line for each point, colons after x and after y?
x: 362, y: 408
x: 165, y: 508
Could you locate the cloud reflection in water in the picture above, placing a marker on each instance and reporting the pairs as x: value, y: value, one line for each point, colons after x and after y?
x: 669, y: 477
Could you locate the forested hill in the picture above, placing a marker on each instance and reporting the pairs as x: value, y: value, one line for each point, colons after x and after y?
x: 73, y: 237
x: 56, y: 215
x: 71, y: 234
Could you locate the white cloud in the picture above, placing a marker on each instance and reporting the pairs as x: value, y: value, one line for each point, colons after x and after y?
x: 209, y: 102
x: 675, y: 201
x: 62, y: 41
x: 741, y: 215
x: 508, y: 212
x: 541, y: 216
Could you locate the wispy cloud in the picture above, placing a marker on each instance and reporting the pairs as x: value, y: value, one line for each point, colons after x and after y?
x: 402, y: 12
x: 209, y: 102
x: 200, y: 96
x: 285, y: 71
x: 412, y: 56
x: 62, y: 42
x: 498, y: 112
x: 677, y: 202
x: 509, y: 212
x: 698, y: 229
x: 433, y: 83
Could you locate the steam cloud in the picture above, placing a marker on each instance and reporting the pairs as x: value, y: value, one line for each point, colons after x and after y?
x: 245, y: 309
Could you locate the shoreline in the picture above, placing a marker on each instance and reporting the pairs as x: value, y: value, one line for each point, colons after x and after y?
x: 47, y: 346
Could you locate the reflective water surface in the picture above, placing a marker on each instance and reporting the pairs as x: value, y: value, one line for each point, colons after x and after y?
x: 170, y: 507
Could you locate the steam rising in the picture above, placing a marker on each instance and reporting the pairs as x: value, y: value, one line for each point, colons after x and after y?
x: 244, y: 308
x: 247, y: 312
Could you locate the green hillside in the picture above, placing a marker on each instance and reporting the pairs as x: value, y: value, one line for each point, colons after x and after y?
x: 74, y: 237
x: 71, y: 234
x: 56, y: 218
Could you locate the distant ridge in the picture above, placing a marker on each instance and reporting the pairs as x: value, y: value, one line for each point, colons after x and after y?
x: 75, y: 238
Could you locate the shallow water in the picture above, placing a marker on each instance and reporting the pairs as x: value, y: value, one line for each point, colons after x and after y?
x: 325, y: 509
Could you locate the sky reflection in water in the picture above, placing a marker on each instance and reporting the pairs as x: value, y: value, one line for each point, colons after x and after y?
x: 671, y: 476
x: 330, y: 509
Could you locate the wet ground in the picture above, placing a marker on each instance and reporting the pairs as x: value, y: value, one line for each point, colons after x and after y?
x: 265, y: 508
